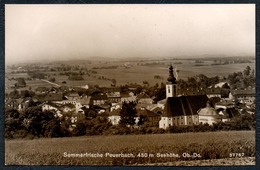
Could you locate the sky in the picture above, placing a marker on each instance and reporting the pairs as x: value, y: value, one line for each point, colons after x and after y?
x: 65, y: 32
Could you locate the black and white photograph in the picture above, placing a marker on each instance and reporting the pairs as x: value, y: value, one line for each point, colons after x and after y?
x: 130, y: 84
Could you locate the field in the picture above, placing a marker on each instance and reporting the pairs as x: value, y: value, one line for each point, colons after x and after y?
x: 140, y: 73
x: 200, y: 149
x: 137, y: 72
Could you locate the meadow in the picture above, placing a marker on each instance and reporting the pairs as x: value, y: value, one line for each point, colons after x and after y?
x: 143, y: 149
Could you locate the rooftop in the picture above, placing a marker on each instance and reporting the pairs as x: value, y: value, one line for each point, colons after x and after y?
x: 184, y: 105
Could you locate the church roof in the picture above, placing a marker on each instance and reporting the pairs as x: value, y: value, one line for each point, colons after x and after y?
x: 184, y: 105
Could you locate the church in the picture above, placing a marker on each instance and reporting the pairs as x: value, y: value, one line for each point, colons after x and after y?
x: 180, y: 110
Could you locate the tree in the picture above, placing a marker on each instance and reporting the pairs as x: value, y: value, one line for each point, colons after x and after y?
x: 192, y: 83
x: 41, y: 123
x: 14, y: 94
x: 80, y: 128
x: 12, y: 123
x: 225, y: 86
x: 247, y: 71
x: 141, y: 120
x: 146, y: 83
x: 27, y: 93
x: 160, y: 94
x: 76, y: 77
x: 128, y: 114
x: 113, y: 81
x: 52, y: 79
x: 20, y: 82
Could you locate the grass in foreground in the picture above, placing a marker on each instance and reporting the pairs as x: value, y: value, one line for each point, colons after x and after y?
x: 210, y: 145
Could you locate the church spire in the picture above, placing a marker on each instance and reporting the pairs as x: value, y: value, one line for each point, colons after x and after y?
x: 171, y: 85
x: 171, y: 79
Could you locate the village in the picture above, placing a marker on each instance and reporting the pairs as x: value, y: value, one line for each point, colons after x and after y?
x: 179, y: 107
x: 144, y: 85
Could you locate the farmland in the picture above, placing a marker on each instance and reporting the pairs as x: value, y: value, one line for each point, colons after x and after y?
x: 143, y: 149
x: 135, y: 72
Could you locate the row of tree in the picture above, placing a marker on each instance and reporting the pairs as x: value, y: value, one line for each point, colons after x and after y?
x: 242, y: 80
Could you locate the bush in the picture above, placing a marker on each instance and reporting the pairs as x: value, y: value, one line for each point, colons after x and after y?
x: 76, y: 77
x: 118, y: 130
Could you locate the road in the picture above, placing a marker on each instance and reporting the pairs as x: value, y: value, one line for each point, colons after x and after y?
x: 51, y: 83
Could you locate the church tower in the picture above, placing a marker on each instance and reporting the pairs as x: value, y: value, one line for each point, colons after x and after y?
x: 171, y: 85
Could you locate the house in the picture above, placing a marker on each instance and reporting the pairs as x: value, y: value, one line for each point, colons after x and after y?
x: 214, y: 100
x: 144, y: 98
x: 161, y: 103
x: 213, y: 92
x: 42, y: 89
x: 224, y: 105
x: 114, y: 97
x: 148, y: 115
x: 115, y: 106
x: 68, y: 108
x: 54, y: 90
x: 244, y: 96
x: 157, y: 110
x: 113, y: 94
x: 76, y: 104
x: 143, y: 105
x: 151, y: 106
x: 128, y: 97
x: 101, y: 108
x: 85, y: 101
x: 11, y: 104
x: 191, y: 92
x: 23, y: 104
x: 72, y: 96
x: 208, y: 115
x: 50, y: 97
x: 114, y: 117
x: 227, y: 113
x: 52, y: 107
x: 99, y: 99
x: 180, y: 110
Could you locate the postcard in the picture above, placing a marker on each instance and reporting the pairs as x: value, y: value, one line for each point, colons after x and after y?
x: 130, y: 85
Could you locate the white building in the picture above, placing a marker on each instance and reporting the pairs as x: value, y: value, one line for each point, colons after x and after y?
x: 180, y: 110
